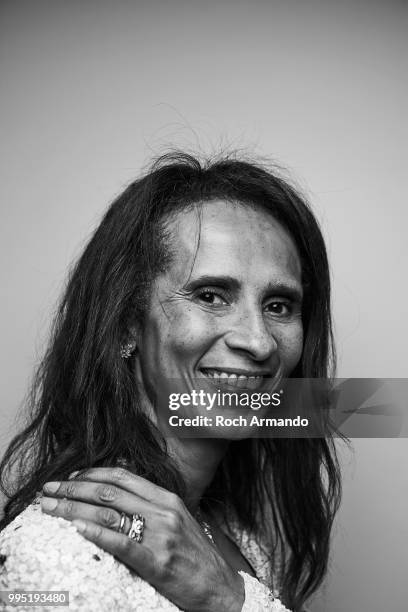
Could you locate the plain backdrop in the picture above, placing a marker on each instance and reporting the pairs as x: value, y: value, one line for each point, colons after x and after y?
x: 92, y: 89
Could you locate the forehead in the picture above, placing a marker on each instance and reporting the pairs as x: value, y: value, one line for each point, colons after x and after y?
x: 228, y: 238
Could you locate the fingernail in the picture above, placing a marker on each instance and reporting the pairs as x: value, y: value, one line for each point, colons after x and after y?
x: 73, y: 474
x: 49, y: 503
x: 79, y: 525
x: 51, y: 487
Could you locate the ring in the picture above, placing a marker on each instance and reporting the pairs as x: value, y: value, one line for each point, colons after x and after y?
x: 122, y: 522
x: 137, y: 528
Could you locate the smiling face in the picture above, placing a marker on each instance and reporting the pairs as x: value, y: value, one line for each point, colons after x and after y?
x: 228, y: 307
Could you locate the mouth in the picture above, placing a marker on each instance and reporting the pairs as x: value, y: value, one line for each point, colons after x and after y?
x: 236, y: 378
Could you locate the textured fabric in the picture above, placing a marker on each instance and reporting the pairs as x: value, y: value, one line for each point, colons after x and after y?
x: 41, y: 552
x: 258, y: 598
x: 256, y: 555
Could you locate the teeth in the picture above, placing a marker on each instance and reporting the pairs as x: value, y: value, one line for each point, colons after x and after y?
x: 242, y: 381
x: 254, y: 381
x: 234, y: 380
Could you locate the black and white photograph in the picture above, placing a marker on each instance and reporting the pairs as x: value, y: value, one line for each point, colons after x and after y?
x: 204, y: 375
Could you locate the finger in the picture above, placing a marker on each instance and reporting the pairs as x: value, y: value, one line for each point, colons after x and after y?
x: 131, y: 482
x: 136, y: 556
x: 105, y: 517
x: 71, y: 510
x: 101, y: 494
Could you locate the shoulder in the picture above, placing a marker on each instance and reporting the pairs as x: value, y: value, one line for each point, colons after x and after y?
x: 41, y: 552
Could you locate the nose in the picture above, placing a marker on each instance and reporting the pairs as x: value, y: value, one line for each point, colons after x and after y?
x: 250, y: 334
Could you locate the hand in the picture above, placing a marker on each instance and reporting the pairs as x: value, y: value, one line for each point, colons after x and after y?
x: 175, y: 556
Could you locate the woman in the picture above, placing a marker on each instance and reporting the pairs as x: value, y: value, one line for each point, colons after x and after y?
x: 215, y: 273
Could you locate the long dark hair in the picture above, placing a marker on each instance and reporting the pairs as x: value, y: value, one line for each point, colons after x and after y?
x: 84, y: 408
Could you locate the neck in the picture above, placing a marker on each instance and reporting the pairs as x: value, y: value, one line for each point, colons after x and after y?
x: 197, y: 459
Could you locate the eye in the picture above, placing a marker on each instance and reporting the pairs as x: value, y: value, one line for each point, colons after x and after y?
x: 280, y: 309
x: 210, y: 297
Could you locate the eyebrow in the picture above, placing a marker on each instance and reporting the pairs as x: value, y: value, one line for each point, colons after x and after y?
x: 289, y: 290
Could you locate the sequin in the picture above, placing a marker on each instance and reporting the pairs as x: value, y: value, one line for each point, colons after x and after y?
x: 42, y: 552
x: 258, y: 598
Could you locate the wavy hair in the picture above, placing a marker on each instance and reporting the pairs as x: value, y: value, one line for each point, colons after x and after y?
x: 84, y: 407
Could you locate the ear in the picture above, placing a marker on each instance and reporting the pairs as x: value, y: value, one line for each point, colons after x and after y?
x: 134, y: 336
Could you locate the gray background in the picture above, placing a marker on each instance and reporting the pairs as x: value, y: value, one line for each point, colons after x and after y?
x: 92, y: 89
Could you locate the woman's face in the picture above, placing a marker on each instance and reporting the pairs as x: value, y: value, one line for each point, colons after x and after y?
x: 228, y: 308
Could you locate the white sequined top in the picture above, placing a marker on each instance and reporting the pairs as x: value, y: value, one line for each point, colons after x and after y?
x: 39, y: 552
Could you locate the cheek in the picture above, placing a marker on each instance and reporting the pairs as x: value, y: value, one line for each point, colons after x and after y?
x: 290, y: 342
x: 193, y: 336
x: 182, y: 333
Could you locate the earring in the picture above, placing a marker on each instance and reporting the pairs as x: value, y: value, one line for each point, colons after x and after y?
x: 127, y: 349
